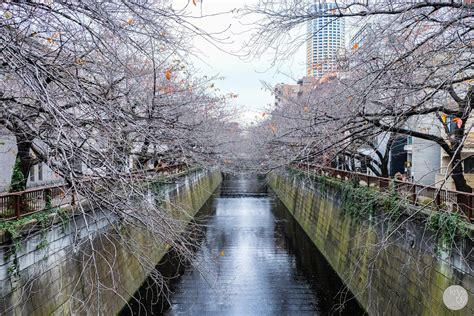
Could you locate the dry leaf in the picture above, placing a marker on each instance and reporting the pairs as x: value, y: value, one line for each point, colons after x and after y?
x: 443, y: 118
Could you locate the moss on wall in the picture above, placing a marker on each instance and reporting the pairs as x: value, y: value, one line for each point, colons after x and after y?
x: 62, y: 275
x: 390, y: 271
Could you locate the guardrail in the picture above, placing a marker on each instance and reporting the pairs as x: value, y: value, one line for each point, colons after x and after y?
x: 15, y: 205
x: 417, y: 194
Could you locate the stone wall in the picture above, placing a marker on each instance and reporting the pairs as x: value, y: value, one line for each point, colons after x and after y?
x: 393, y: 268
x: 57, y: 277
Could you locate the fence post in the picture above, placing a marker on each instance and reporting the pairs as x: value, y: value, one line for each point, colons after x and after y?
x: 413, y: 196
x: 438, y: 198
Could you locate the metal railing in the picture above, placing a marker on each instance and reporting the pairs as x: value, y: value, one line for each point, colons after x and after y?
x: 417, y: 194
x: 15, y: 205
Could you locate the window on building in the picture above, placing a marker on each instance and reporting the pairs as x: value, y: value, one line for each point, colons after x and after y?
x: 40, y: 172
x: 32, y: 173
x: 469, y: 164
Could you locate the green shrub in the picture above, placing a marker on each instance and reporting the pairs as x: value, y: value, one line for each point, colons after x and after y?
x: 17, y: 182
x: 446, y: 226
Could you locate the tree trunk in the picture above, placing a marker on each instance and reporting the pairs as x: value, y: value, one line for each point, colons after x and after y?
x: 25, y: 162
x: 384, y: 168
x: 458, y: 175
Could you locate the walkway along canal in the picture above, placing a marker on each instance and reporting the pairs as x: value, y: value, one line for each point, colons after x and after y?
x: 253, y: 259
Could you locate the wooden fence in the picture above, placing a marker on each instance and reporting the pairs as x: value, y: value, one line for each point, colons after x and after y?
x: 417, y: 194
x: 15, y: 205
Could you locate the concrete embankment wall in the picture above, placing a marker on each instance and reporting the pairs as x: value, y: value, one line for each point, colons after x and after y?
x: 53, y: 271
x: 393, y: 267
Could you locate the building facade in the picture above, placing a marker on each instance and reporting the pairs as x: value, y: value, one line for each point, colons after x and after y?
x: 423, y: 156
x: 325, y: 38
x: 40, y: 174
x: 291, y: 93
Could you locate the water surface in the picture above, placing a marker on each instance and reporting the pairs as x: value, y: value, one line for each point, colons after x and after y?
x: 252, y: 259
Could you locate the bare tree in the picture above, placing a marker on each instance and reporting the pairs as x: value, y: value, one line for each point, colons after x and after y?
x: 100, y: 91
x: 416, y: 64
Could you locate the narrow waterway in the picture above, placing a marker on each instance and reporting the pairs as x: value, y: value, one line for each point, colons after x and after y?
x: 253, y: 259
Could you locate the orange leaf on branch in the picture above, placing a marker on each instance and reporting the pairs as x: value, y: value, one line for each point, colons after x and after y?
x: 168, y: 74
x: 458, y: 121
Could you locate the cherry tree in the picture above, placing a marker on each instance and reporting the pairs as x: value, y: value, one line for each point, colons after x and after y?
x: 416, y: 64
x: 99, y: 92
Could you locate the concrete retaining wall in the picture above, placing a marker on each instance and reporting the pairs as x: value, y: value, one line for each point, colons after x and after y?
x: 390, y: 271
x: 58, y: 277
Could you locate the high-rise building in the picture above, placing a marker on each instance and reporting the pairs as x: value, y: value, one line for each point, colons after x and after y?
x: 326, y: 36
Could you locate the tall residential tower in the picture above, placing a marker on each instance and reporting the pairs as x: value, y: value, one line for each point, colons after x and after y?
x: 326, y: 36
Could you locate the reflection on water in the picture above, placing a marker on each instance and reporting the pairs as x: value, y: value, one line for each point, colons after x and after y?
x: 253, y: 259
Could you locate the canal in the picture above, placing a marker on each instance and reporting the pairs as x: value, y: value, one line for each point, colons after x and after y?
x: 252, y: 258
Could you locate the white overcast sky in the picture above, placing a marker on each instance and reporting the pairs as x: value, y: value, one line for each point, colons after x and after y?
x: 241, y: 77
